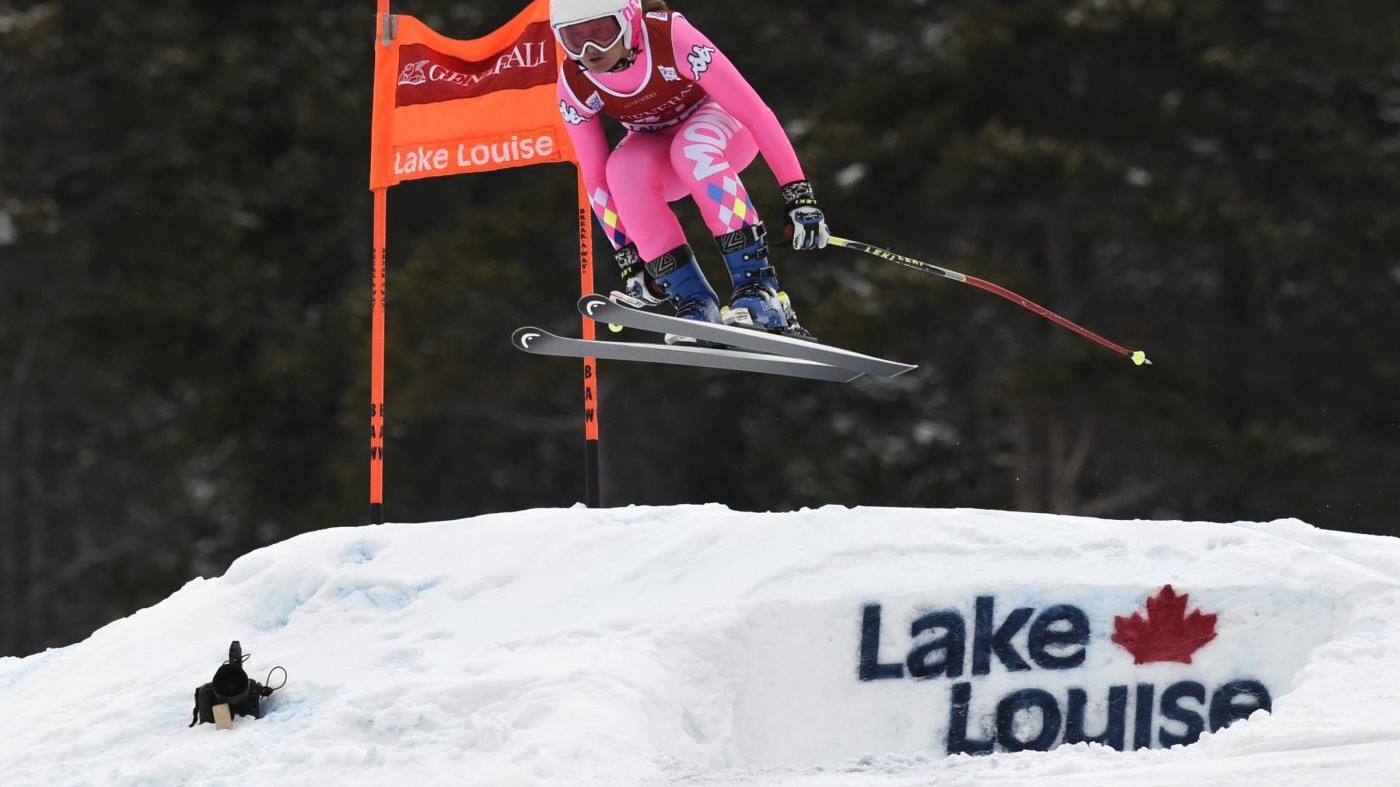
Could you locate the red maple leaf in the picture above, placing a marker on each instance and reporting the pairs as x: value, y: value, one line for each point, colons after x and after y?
x: 1167, y: 633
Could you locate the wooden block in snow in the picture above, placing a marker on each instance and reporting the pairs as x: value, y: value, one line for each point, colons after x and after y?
x: 222, y: 718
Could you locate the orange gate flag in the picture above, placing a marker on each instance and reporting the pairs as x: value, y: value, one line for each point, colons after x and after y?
x: 448, y: 107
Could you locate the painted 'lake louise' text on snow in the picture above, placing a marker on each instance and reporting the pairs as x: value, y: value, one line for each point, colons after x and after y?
x: 942, y: 645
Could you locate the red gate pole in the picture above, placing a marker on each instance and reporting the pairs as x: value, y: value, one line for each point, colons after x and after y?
x: 377, y: 312
x: 592, y: 475
x: 376, y: 365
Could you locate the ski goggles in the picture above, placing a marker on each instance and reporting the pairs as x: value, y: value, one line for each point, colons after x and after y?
x: 601, y: 33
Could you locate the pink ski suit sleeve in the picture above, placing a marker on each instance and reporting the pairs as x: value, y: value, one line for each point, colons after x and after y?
x: 700, y: 60
x: 591, y: 146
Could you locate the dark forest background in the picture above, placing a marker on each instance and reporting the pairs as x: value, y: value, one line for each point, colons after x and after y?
x: 185, y: 242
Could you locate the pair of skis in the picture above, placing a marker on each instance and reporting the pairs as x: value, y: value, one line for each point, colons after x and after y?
x: 744, y: 349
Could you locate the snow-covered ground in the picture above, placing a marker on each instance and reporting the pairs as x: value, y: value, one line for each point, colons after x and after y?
x: 703, y: 646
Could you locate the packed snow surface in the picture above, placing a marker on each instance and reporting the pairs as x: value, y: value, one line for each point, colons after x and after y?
x: 704, y: 646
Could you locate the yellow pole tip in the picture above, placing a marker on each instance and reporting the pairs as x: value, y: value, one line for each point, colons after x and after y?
x: 614, y: 327
x: 1140, y: 358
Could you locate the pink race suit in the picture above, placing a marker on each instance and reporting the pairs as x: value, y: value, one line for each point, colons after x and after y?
x: 693, y: 123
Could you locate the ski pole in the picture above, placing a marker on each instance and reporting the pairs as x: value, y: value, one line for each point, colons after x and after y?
x: 1138, y: 357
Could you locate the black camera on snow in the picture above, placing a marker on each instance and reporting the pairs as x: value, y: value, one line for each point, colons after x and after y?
x: 233, y: 688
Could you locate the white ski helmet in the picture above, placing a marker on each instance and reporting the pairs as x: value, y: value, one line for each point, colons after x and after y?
x: 628, y: 13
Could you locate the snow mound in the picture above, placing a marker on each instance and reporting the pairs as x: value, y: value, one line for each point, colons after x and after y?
x: 704, y: 646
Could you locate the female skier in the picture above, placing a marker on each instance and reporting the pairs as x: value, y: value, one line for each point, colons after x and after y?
x: 693, y: 123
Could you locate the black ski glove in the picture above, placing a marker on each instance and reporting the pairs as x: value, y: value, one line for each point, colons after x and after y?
x: 636, y: 282
x: 806, y: 225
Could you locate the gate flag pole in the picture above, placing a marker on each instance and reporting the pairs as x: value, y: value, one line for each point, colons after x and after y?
x: 591, y: 472
x: 376, y: 375
x: 379, y: 280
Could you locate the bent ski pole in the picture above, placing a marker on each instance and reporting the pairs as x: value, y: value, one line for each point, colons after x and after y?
x: 1137, y: 356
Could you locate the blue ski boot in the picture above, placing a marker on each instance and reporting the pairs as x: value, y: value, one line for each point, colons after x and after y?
x: 757, y: 302
x: 678, y: 276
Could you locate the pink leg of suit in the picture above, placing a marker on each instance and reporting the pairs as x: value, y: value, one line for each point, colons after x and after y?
x: 700, y: 157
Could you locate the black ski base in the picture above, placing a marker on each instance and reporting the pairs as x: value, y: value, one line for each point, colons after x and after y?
x: 541, y: 342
